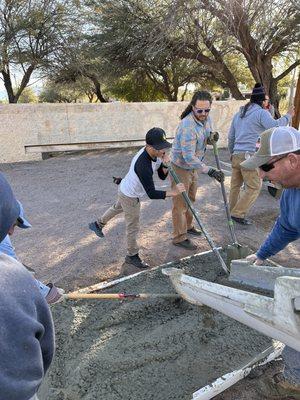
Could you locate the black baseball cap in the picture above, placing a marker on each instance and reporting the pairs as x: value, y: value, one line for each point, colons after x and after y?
x: 157, y: 138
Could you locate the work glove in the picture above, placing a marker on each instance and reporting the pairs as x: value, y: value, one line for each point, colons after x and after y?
x: 213, y: 138
x: 255, y: 260
x: 117, y: 181
x: 217, y: 174
x: 55, y: 295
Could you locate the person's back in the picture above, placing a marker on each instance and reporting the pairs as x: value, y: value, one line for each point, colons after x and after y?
x: 248, y: 124
x: 27, y: 335
x: 246, y: 127
x: 26, y: 327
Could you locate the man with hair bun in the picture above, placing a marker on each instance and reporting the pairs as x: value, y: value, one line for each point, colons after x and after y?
x: 193, y: 133
x: 246, y: 126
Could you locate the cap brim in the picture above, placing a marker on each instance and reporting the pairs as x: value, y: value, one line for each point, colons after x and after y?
x: 255, y: 161
x: 24, y: 224
x: 161, y: 146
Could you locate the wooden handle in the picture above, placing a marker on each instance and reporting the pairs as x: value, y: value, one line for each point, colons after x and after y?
x: 118, y: 296
x: 98, y: 296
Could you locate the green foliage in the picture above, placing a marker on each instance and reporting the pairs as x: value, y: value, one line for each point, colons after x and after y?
x: 74, y: 92
x: 28, y: 96
x: 135, y: 87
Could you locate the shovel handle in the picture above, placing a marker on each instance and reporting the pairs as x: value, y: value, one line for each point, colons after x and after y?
x: 191, y: 207
x: 230, y: 222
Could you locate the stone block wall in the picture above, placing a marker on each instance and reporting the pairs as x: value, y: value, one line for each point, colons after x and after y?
x: 38, y: 124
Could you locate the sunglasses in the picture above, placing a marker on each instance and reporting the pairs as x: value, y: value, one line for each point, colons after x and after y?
x: 201, y: 110
x: 269, y: 167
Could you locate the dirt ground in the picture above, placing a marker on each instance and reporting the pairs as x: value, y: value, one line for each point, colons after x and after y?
x: 63, y: 194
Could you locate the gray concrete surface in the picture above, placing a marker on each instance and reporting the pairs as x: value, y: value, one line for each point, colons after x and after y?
x: 146, y: 350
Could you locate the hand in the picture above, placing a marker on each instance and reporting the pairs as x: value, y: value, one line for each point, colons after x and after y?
x: 55, y: 294
x: 291, y: 111
x: 117, y: 181
x: 180, y: 188
x: 217, y: 174
x: 254, y: 259
x: 165, y: 159
x: 213, y: 138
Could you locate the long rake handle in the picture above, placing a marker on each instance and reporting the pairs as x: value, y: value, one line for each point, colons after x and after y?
x: 119, y: 296
x: 230, y: 222
x: 207, y: 236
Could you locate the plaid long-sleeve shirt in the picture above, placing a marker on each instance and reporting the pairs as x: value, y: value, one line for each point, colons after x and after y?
x: 189, y: 144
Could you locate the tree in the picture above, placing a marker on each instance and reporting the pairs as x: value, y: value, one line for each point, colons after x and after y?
x: 71, y: 92
x: 30, y: 33
x: 123, y: 29
x: 136, y: 86
x: 262, y: 30
x: 211, y: 32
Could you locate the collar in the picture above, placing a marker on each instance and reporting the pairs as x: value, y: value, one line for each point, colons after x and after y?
x: 149, y: 157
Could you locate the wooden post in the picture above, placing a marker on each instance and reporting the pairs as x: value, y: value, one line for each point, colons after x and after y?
x: 296, y: 118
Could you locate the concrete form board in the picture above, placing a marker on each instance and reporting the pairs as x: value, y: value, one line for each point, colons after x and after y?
x: 263, y: 277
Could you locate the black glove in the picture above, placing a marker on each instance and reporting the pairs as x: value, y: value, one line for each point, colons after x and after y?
x: 117, y: 181
x: 217, y: 174
x: 213, y: 138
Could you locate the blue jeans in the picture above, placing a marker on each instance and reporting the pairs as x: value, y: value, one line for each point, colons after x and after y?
x: 44, y: 291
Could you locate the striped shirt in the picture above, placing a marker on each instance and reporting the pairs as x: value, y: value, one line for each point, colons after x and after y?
x: 189, y: 144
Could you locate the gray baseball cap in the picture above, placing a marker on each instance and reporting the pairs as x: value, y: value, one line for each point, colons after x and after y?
x: 274, y: 142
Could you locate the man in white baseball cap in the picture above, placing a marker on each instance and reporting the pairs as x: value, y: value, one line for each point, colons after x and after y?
x: 278, y: 160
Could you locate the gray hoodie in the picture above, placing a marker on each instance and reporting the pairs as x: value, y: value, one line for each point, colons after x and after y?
x: 9, y: 207
x: 26, y: 327
x: 244, y: 132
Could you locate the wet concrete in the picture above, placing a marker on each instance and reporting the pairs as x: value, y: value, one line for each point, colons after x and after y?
x: 143, y: 350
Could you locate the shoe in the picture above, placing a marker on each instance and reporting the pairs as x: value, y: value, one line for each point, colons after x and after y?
x: 194, y: 231
x: 186, y: 244
x: 55, y: 294
x: 136, y: 261
x: 97, y: 228
x: 242, y: 221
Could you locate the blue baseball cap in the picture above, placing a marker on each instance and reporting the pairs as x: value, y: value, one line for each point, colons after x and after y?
x: 21, y: 220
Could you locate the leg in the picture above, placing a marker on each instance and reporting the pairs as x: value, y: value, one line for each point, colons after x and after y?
x: 180, y: 208
x: 236, y: 180
x: 131, y: 208
x: 249, y: 195
x: 192, y: 196
x: 111, y: 212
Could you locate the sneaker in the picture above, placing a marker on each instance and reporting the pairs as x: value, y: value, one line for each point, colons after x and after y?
x: 242, y: 221
x: 55, y: 294
x: 97, y: 228
x: 136, y: 261
x: 186, y: 244
x: 194, y: 231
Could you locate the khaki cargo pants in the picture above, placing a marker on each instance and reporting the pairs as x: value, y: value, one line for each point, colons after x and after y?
x: 181, y: 214
x: 131, y: 207
x: 241, y: 200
